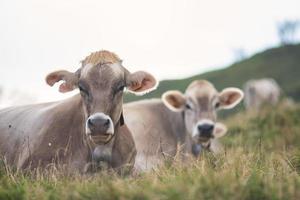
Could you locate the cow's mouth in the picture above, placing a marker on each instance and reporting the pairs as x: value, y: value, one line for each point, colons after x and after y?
x: 101, y: 138
x: 203, y: 139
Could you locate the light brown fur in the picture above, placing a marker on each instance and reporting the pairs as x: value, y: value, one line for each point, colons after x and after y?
x: 39, y: 135
x: 101, y: 57
x: 161, y: 130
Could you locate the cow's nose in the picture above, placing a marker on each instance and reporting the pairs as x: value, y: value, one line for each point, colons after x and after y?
x: 99, y: 123
x: 206, y: 130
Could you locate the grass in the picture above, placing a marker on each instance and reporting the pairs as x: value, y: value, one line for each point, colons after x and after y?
x: 261, y: 161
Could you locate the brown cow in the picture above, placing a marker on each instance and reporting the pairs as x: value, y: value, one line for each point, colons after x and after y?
x: 260, y: 92
x: 178, y: 122
x: 86, y: 128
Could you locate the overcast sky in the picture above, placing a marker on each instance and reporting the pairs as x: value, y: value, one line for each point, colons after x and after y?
x: 169, y: 38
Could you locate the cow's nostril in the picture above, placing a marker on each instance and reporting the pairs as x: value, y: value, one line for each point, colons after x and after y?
x: 90, y: 122
x: 107, y: 122
x: 98, y: 123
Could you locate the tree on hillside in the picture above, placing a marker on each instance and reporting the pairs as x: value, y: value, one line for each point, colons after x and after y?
x: 287, y: 31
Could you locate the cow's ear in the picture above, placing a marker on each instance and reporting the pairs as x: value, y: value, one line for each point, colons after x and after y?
x: 70, y: 80
x: 141, y: 83
x: 174, y: 100
x: 220, y: 130
x: 230, y: 97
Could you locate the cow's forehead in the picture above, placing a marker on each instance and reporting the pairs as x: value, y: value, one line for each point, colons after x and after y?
x: 103, y: 73
x: 98, y: 61
x: 111, y: 70
x: 201, y: 90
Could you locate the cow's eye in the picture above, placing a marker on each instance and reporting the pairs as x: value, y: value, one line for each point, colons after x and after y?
x: 83, y: 90
x: 217, y: 105
x: 188, y: 106
x: 121, y: 88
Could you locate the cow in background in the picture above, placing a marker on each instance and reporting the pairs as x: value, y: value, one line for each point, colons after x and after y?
x: 178, y: 123
x: 259, y: 92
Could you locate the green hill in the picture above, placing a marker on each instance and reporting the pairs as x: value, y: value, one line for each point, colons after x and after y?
x: 282, y: 64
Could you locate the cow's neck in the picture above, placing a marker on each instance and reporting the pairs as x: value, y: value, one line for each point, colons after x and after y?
x: 103, y: 153
x: 124, y: 150
x: 119, y: 153
x: 188, y: 142
x: 193, y: 147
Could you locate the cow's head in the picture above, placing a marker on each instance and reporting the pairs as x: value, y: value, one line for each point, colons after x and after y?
x: 102, y: 80
x: 199, y: 105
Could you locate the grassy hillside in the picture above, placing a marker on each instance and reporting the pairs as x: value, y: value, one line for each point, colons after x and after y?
x: 282, y: 64
x: 262, y: 161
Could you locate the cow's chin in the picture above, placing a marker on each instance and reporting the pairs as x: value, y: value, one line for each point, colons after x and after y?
x: 201, y: 139
x: 101, y: 138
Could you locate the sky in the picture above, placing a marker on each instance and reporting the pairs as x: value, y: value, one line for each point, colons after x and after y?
x: 169, y: 38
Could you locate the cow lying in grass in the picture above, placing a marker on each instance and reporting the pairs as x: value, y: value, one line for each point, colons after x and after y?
x: 86, y: 128
x: 260, y: 92
x: 178, y: 122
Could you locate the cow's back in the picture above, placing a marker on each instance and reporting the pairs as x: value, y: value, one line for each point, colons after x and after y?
x: 34, y: 134
x: 19, y: 126
x: 261, y: 91
x: 156, y: 130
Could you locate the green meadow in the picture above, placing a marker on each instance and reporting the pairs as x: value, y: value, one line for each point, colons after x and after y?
x: 261, y: 161
x: 261, y: 158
